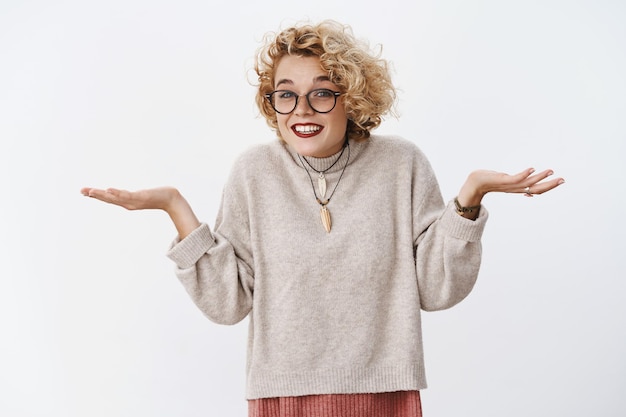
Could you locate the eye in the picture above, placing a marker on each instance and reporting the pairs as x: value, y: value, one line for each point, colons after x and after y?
x: 285, y: 94
x: 322, y: 93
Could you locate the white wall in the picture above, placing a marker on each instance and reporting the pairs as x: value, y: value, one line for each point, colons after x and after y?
x: 137, y: 93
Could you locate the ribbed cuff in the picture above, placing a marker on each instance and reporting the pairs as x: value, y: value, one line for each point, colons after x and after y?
x: 185, y: 253
x: 461, y: 228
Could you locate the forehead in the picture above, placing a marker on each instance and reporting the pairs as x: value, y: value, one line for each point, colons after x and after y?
x: 296, y: 70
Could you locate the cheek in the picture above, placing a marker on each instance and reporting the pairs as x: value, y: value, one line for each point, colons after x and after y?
x: 341, y: 117
x: 281, y: 121
x: 340, y: 121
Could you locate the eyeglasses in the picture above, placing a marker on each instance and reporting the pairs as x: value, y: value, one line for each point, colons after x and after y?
x: 321, y: 100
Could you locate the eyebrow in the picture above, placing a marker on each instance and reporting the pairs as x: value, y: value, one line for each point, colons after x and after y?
x: 316, y: 80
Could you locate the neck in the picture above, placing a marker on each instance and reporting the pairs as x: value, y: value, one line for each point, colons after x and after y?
x: 325, y: 164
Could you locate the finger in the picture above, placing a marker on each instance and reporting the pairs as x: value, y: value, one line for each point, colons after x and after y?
x: 534, y: 179
x: 110, y: 195
x: 98, y: 194
x: 521, y: 176
x: 519, y: 183
x: 543, y: 187
x: 528, y: 186
x: 90, y: 192
x: 116, y: 192
x: 123, y: 198
x: 527, y: 192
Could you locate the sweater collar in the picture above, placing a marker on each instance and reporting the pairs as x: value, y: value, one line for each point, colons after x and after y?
x: 326, y: 164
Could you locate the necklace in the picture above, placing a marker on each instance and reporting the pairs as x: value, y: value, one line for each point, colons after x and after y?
x: 324, y: 212
x: 321, y: 178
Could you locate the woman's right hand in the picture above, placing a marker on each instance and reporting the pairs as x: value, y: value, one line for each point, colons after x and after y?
x: 154, y: 198
x: 168, y: 199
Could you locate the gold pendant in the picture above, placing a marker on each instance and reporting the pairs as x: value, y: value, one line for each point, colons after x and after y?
x: 321, y: 185
x: 325, y: 216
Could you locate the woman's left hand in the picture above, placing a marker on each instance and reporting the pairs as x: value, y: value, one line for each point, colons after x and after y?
x: 527, y: 182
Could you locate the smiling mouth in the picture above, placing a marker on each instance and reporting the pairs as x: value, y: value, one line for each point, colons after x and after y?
x: 306, y: 131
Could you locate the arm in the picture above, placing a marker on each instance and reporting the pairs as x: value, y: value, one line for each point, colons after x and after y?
x: 216, y: 267
x: 448, y: 249
x: 217, y: 277
x: 447, y: 256
x: 207, y: 264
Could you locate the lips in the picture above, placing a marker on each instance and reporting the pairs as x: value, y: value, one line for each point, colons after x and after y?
x: 306, y: 130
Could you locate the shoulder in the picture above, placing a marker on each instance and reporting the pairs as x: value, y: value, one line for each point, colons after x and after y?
x: 399, y: 155
x: 395, y: 147
x: 260, y: 156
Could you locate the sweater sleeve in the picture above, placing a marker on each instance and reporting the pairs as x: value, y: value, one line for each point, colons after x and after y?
x: 448, y: 249
x: 215, y: 267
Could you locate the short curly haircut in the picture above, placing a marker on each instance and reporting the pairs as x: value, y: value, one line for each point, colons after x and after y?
x: 362, y: 76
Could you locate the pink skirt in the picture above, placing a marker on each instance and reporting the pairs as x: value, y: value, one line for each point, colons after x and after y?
x: 387, y: 404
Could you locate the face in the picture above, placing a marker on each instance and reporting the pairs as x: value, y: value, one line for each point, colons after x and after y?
x: 309, y: 133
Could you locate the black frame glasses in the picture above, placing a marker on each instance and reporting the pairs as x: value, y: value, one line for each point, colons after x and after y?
x: 318, y: 97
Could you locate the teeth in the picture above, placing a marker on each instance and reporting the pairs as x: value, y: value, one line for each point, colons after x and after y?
x: 307, y: 129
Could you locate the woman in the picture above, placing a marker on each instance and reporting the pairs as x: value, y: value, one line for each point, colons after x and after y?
x: 333, y: 300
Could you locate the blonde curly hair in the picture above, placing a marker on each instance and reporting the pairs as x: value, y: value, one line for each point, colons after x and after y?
x: 362, y: 76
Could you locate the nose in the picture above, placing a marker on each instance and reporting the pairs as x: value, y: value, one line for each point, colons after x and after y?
x: 302, y: 106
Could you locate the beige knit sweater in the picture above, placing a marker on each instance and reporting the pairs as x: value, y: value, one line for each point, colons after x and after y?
x: 334, y: 312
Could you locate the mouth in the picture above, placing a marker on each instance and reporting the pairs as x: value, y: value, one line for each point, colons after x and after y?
x: 306, y: 130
